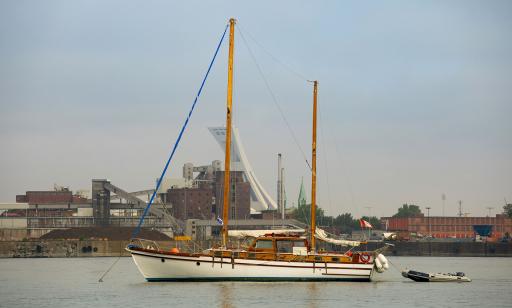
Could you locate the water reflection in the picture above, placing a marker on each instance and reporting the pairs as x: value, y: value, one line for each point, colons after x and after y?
x: 73, y: 283
x: 225, y: 295
x: 312, y: 294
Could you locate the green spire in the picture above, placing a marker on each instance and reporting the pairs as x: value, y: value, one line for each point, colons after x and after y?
x: 302, y: 194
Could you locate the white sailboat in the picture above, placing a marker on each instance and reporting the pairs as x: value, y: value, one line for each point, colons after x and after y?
x: 270, y: 256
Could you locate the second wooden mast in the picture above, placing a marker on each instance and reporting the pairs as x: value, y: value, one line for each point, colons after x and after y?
x: 313, y: 170
x: 227, y: 160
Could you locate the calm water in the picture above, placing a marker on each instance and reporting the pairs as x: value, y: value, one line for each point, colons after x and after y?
x: 74, y: 283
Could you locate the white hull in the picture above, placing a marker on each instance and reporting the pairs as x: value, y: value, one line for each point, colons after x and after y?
x: 165, y: 267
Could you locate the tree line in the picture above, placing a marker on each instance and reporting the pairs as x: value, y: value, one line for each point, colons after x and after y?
x: 341, y: 224
x: 346, y: 223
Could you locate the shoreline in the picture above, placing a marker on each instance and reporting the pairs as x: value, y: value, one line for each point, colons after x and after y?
x: 115, y: 248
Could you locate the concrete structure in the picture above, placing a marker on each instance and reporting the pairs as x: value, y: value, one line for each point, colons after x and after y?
x: 100, y: 202
x: 198, y: 195
x: 448, y: 227
x: 260, y: 199
x: 49, y: 210
x: 109, y: 248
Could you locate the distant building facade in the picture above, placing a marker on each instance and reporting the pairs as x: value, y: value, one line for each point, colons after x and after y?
x: 204, y: 200
x: 50, y: 197
x: 240, y: 194
x: 191, y: 203
x: 448, y: 227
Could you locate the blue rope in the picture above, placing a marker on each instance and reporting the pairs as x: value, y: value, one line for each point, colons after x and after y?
x: 137, y: 230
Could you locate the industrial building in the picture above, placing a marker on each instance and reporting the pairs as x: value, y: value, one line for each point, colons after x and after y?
x: 260, y: 199
x: 203, y: 198
x: 196, y: 196
x: 449, y: 227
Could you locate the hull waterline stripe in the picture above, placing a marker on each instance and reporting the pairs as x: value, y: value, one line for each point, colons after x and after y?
x: 257, y: 279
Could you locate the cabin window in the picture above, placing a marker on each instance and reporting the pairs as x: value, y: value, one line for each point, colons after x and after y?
x: 299, y: 244
x: 264, y: 244
x: 284, y: 246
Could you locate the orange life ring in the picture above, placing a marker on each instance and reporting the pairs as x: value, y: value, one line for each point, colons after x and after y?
x: 364, y: 258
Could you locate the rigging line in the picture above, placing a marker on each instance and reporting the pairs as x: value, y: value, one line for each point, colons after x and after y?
x: 274, y: 99
x: 395, y: 267
x: 287, y: 67
x: 326, y: 158
x: 347, y: 180
x: 137, y: 229
x: 108, y: 270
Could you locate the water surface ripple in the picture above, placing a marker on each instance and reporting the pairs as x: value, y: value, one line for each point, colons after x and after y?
x: 73, y: 282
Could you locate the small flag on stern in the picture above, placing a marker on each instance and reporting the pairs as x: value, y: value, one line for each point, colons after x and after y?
x: 219, y: 220
x: 364, y: 224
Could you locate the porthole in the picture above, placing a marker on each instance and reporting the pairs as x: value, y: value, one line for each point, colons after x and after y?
x: 197, y: 263
x: 163, y: 260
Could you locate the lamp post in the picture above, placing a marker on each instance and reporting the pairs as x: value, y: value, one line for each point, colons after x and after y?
x: 428, y: 219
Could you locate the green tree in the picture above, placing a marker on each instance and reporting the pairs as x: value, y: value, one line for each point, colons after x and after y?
x: 507, y: 210
x: 303, y: 214
x: 408, y: 210
x: 344, y: 223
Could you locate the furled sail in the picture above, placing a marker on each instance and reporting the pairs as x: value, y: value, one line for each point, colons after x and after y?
x: 322, y: 235
x: 257, y: 233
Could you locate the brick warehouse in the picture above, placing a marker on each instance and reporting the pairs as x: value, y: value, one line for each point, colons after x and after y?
x: 448, y: 227
x: 205, y: 201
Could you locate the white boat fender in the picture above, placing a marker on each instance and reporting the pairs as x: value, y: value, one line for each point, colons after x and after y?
x: 378, y: 264
x: 382, y: 259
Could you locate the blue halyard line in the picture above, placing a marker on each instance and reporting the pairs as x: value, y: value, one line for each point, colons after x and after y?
x: 137, y: 230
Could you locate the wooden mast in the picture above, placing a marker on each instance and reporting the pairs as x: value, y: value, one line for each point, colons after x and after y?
x: 226, y: 196
x: 313, y: 170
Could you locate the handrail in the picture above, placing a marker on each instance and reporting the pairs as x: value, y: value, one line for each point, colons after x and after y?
x: 144, y: 244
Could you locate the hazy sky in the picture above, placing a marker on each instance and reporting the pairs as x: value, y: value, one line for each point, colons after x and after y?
x: 415, y: 96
